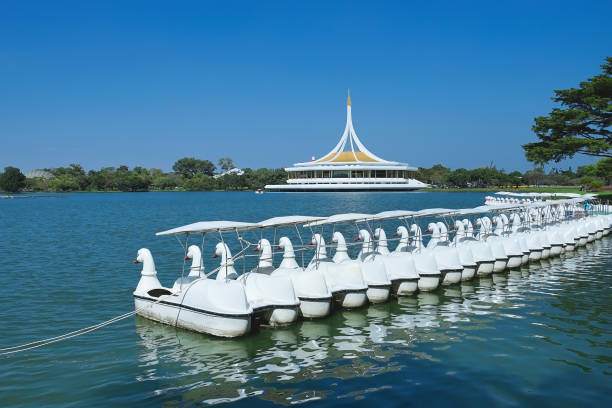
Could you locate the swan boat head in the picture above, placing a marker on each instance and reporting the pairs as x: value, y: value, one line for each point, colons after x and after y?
x: 226, y: 270
x: 195, y: 255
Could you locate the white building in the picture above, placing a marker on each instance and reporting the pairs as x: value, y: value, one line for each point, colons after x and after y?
x: 349, y: 167
x: 235, y: 171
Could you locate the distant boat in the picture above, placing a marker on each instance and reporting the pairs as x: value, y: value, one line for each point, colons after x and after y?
x: 259, y: 191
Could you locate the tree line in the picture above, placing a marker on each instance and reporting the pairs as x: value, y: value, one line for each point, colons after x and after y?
x: 191, y: 174
x: 590, y: 176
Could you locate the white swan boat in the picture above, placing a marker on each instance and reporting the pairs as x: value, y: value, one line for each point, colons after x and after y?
x: 344, y: 280
x: 217, y: 307
x: 228, y: 302
x: 272, y: 297
x: 310, y: 285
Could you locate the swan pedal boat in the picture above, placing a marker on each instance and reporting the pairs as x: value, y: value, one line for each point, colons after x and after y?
x: 216, y: 307
x: 230, y: 305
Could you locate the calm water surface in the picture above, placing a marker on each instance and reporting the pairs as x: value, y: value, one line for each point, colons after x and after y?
x: 539, y: 336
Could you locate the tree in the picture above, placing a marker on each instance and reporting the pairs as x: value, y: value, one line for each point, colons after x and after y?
x: 535, y: 176
x: 604, y: 170
x: 591, y: 182
x: 189, y: 167
x: 65, y: 182
x: 201, y: 182
x: 167, y: 182
x: 582, y: 127
x: 226, y: 163
x: 12, y: 180
x: 459, y: 177
x: 75, y: 173
x: 515, y: 178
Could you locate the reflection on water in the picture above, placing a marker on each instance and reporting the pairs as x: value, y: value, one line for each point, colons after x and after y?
x: 476, y: 325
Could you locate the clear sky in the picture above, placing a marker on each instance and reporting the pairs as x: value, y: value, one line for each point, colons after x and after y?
x: 147, y: 82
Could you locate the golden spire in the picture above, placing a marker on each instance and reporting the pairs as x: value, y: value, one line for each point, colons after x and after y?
x: 348, y: 100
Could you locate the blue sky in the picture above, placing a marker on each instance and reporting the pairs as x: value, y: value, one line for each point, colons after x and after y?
x: 147, y: 82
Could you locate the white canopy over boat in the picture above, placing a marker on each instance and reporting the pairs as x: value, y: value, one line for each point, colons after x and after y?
x: 430, y: 212
x: 348, y: 217
x: 289, y: 220
x: 210, y: 226
x: 399, y: 214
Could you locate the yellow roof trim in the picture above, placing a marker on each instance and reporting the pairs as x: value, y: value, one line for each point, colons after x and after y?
x: 347, y: 157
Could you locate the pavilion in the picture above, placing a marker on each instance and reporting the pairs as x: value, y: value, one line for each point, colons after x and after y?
x: 349, y: 166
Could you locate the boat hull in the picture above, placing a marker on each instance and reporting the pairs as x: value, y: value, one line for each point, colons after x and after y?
x: 451, y: 276
x: 468, y: 273
x: 429, y: 283
x: 282, y: 316
x: 556, y: 250
x: 485, y: 268
x: 315, y: 308
x: 500, y: 265
x: 515, y: 261
x: 404, y: 287
x: 350, y: 299
x: 202, y: 321
x: 535, y: 255
x: 525, y: 258
x: 378, y: 293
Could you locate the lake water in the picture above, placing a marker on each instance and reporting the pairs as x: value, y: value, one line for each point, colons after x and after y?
x: 540, y: 336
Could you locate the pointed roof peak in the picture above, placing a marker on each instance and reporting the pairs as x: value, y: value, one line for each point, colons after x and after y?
x: 350, y: 149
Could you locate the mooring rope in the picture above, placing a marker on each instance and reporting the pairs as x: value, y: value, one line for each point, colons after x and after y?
x: 75, y: 333
x: 66, y: 336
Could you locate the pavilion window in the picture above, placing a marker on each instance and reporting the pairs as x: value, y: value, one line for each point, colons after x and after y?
x: 326, y: 173
x: 357, y: 174
x: 380, y: 173
x: 340, y: 174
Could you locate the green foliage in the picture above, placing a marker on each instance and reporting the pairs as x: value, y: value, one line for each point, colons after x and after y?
x: 591, y: 182
x: 459, y: 178
x: 12, y: 180
x: 225, y: 163
x: 201, y: 182
x: 37, y: 184
x: 437, y: 174
x: 167, y: 182
x: 582, y: 126
x: 63, y: 183
x: 588, y: 170
x: 188, y: 167
x: 70, y: 175
x: 515, y: 178
x: 604, y: 170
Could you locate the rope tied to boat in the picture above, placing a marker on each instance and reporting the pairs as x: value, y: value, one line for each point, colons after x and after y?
x: 66, y: 336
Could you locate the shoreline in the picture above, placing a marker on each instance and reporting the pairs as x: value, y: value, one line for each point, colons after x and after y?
x: 425, y: 190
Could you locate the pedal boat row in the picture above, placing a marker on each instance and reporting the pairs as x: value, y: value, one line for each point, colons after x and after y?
x: 461, y: 245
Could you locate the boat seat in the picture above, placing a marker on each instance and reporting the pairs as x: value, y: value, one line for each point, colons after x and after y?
x: 158, y: 292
